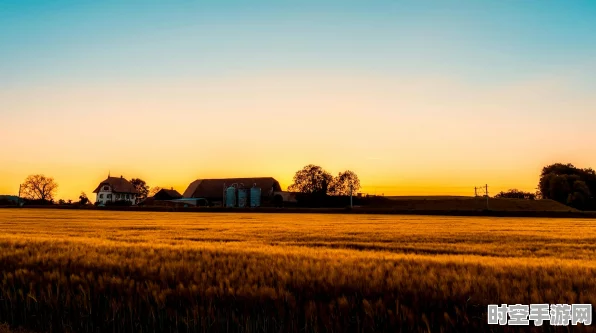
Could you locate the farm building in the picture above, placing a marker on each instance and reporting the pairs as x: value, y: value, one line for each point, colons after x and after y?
x: 213, y: 189
x: 177, y: 203
x: 171, y: 198
x: 165, y: 194
x: 281, y: 198
x: 9, y: 200
x: 115, y: 189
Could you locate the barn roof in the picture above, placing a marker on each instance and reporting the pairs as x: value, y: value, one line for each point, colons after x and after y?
x: 172, y: 193
x: 213, y: 188
x: 169, y: 193
x: 118, y: 184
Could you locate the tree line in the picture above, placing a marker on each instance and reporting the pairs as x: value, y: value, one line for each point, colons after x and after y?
x: 564, y: 183
x: 316, y: 187
x: 314, y: 180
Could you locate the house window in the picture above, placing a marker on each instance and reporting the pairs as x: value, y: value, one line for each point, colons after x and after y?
x: 117, y: 196
x: 101, y: 196
x: 109, y: 196
x: 106, y: 188
x: 128, y: 196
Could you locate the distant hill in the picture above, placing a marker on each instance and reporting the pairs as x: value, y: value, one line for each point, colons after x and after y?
x: 455, y: 203
x: 427, y: 197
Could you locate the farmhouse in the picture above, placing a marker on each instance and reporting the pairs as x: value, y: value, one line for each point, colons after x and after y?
x: 213, y: 189
x: 115, y: 189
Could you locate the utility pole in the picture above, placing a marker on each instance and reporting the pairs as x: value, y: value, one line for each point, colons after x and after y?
x: 475, y: 191
x: 486, y: 187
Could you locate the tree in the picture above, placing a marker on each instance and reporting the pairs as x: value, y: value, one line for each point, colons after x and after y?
x: 342, y: 183
x: 83, y: 200
x: 154, y: 190
x: 558, y: 187
x: 312, y: 179
x: 516, y: 194
x: 39, y: 187
x: 579, y: 196
x: 141, y: 187
x: 569, y: 185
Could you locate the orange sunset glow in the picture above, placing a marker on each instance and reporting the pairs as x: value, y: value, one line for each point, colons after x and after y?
x: 403, y: 137
x: 406, y: 126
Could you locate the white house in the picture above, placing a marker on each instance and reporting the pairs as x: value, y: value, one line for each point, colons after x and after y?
x: 115, y: 189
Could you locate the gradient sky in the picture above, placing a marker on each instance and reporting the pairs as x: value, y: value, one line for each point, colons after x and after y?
x: 416, y: 97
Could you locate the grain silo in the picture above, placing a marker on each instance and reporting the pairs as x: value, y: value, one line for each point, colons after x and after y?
x: 242, y: 197
x: 230, y: 198
x: 255, y: 196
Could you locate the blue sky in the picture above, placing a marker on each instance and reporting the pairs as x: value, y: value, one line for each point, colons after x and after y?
x: 440, y: 94
x: 486, y: 42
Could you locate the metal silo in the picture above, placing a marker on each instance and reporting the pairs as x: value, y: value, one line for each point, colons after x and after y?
x: 255, y: 196
x: 231, y: 196
x: 242, y: 197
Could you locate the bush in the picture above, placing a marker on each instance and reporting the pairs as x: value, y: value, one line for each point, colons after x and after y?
x: 38, y: 202
x: 516, y: 194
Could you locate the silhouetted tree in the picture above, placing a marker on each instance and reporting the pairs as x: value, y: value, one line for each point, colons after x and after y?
x: 569, y: 185
x: 312, y: 179
x: 341, y: 184
x: 142, y: 187
x: 516, y: 194
x: 154, y: 191
x: 39, y: 187
x: 580, y: 195
x: 83, y: 200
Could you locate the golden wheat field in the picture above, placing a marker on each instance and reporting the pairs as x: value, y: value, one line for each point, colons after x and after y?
x: 106, y: 271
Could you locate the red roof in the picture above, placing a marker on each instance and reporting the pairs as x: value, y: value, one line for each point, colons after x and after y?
x: 118, y: 185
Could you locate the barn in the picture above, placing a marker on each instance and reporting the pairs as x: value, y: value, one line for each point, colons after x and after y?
x: 213, y: 189
x: 165, y: 194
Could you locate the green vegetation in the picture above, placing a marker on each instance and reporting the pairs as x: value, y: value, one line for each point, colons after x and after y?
x: 95, y: 271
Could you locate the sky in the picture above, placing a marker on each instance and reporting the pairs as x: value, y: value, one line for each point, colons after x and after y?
x: 416, y: 97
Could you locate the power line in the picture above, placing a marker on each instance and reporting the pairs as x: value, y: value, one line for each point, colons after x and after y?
x: 485, y: 190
